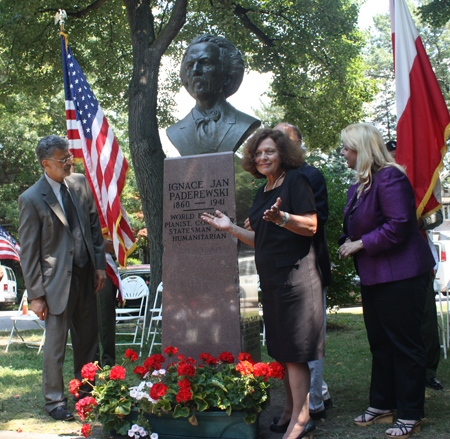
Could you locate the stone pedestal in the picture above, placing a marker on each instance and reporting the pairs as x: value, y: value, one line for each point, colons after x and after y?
x: 210, y: 298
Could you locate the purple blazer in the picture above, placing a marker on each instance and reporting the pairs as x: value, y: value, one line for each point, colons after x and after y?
x: 385, y: 219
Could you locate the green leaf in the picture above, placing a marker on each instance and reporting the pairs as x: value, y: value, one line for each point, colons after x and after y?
x: 218, y: 384
x: 180, y: 411
x: 202, y: 405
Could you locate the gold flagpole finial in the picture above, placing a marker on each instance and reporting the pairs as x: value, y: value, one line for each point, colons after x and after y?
x: 60, y: 17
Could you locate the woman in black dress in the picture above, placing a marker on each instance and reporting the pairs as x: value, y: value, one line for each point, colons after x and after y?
x: 283, y: 218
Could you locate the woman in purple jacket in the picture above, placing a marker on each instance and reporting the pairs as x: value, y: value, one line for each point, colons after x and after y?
x: 394, y: 263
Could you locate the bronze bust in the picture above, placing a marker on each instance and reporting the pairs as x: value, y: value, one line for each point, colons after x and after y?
x: 211, y: 70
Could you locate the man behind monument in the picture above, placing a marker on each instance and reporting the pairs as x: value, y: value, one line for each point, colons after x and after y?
x: 63, y: 263
x: 212, y: 69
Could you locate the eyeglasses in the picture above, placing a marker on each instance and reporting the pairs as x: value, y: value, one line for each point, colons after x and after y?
x: 63, y: 161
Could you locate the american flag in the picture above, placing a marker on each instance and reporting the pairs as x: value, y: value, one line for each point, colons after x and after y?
x: 9, y: 249
x: 92, y: 141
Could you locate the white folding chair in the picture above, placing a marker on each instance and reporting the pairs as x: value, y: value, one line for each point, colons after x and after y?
x: 134, y: 288
x: 444, y: 326
x: 29, y: 317
x: 156, y: 318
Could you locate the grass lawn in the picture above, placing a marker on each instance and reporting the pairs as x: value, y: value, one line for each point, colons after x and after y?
x: 347, y: 372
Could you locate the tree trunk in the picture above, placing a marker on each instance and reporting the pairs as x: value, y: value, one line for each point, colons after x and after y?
x: 145, y: 145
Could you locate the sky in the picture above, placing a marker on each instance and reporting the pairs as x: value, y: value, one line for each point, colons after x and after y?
x: 255, y: 85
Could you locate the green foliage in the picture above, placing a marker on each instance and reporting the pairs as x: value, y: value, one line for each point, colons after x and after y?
x: 435, y: 12
x: 341, y: 292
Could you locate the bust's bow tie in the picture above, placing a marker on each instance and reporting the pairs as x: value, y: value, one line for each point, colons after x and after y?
x: 214, y: 116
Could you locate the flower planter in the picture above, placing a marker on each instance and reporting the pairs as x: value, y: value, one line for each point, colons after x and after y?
x: 210, y: 425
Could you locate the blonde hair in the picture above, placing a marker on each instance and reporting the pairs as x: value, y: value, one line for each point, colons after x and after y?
x: 372, y: 154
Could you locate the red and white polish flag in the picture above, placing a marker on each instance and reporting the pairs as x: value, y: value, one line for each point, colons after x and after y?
x: 422, y: 114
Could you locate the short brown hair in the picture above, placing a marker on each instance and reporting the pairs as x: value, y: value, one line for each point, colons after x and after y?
x: 292, y: 157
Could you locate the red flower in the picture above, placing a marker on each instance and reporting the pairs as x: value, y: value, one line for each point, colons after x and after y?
x: 245, y: 367
x: 140, y: 370
x: 211, y: 360
x: 277, y: 370
x: 184, y: 395
x: 243, y: 356
x: 86, y: 430
x: 181, y: 357
x: 88, y: 371
x: 204, y: 356
x: 226, y: 357
x: 74, y: 387
x: 170, y: 351
x: 154, y: 362
x: 158, y: 390
x: 84, y: 406
x: 186, y: 369
x: 261, y: 369
x: 132, y: 355
x: 117, y: 372
x: 184, y: 383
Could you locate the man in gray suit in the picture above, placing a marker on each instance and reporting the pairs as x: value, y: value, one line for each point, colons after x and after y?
x: 63, y: 263
x: 211, y: 70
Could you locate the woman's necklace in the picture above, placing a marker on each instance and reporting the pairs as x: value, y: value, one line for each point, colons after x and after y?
x: 276, y: 181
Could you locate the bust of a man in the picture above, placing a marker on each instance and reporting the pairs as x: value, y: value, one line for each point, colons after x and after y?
x: 211, y: 70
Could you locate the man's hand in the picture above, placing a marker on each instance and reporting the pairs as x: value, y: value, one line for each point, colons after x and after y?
x: 39, y: 307
x: 109, y: 247
x: 100, y: 279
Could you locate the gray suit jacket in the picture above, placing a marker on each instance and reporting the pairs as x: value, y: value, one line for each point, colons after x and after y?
x: 47, y: 247
x: 234, y: 128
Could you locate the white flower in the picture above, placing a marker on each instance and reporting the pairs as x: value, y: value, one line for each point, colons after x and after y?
x: 146, y: 375
x: 133, y: 393
x: 130, y: 433
x: 135, y: 428
x: 154, y: 436
x: 142, y: 432
x: 149, y: 384
x: 141, y: 386
x: 162, y: 371
x: 154, y: 401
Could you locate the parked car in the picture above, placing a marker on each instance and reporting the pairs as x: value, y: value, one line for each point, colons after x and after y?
x: 443, y: 272
x: 8, y: 287
x: 136, y: 270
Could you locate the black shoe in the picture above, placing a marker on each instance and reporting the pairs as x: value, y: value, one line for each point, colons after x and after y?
x: 279, y: 428
x: 434, y: 383
x: 319, y: 415
x: 276, y: 419
x: 328, y: 403
x: 310, y: 426
x: 60, y: 413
